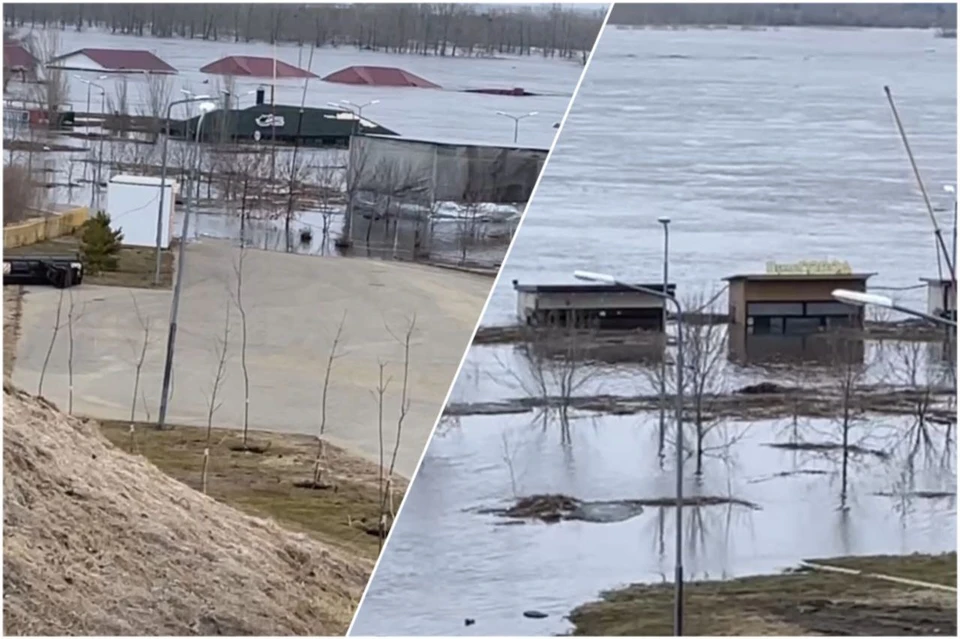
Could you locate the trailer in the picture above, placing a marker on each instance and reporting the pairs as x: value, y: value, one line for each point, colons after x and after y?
x: 60, y: 271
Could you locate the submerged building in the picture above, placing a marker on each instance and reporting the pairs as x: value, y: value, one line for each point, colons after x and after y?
x: 594, y: 306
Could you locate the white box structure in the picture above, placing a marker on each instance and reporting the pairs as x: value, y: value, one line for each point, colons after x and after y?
x: 133, y: 203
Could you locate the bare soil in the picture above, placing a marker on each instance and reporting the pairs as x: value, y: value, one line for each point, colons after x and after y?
x: 101, y: 542
x: 805, y: 602
x: 136, y: 266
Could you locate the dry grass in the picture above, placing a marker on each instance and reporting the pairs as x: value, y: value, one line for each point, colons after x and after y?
x: 799, y: 603
x: 263, y: 484
x: 98, y: 541
x: 135, y: 269
x: 12, y: 310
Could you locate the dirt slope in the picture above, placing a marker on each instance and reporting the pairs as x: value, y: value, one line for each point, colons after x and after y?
x: 97, y: 541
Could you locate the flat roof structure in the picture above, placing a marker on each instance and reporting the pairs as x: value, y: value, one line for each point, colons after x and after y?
x: 597, y: 306
x: 112, y: 61
x: 252, y: 66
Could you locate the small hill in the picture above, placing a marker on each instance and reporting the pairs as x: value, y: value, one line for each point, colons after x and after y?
x: 100, y: 542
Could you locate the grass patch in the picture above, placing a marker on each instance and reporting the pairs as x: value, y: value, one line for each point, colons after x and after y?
x: 796, y: 603
x: 262, y: 484
x: 136, y: 264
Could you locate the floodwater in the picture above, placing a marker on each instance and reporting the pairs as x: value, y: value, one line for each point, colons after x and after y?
x: 760, y: 145
x: 445, y: 562
x: 446, y: 114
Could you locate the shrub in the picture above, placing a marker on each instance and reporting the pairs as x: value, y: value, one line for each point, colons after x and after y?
x: 100, y: 244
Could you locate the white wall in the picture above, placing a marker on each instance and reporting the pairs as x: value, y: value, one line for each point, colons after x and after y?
x: 133, y: 202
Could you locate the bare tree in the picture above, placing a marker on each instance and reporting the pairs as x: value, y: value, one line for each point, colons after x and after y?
x: 71, y: 318
x: 155, y: 98
x: 320, y: 462
x: 142, y: 355
x: 221, y: 347
x: 238, y: 300
x: 53, y: 89
x: 557, y: 368
x: 382, y: 385
x: 386, y: 499
x: 53, y: 341
x: 508, y: 456
x: 846, y: 376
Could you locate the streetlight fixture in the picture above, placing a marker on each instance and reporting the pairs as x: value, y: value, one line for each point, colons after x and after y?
x: 103, y: 107
x: 163, y: 177
x: 205, y: 108
x: 665, y: 222
x: 356, y: 109
x: 952, y: 190
x: 858, y: 298
x: 678, y: 578
x: 516, y: 121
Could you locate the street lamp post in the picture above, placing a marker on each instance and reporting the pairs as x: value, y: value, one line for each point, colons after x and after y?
x: 205, y: 107
x: 356, y: 109
x: 952, y: 190
x: 163, y: 180
x: 516, y: 121
x: 678, y: 577
x: 103, y: 100
x: 858, y: 298
x: 665, y: 221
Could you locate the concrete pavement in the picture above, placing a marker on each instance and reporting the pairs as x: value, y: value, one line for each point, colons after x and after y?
x: 293, y: 305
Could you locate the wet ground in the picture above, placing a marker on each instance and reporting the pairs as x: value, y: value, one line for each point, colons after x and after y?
x: 782, y: 139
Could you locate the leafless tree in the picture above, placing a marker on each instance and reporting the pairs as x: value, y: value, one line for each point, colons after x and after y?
x: 556, y: 369
x: 21, y: 198
x: 238, y: 300
x: 847, y: 374
x: 382, y: 385
x: 386, y: 499
x: 53, y: 89
x: 71, y: 318
x: 222, y: 346
x: 320, y: 463
x: 119, y: 104
x: 508, y: 457
x: 155, y: 98
x: 144, y: 323
x: 329, y: 180
x: 53, y: 341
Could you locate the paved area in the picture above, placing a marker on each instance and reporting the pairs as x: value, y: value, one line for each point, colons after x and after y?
x: 293, y: 304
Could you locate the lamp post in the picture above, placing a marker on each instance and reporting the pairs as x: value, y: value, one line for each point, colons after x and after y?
x: 205, y: 107
x: 356, y: 109
x: 858, y: 298
x: 952, y: 190
x: 516, y: 121
x: 664, y: 295
x: 103, y: 99
x: 665, y: 222
x: 163, y: 179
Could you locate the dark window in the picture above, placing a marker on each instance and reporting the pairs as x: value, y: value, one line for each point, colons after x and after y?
x: 830, y: 308
x: 774, y: 308
x: 802, y: 325
x: 767, y: 325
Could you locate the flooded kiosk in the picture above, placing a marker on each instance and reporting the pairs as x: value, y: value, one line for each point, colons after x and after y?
x: 782, y: 315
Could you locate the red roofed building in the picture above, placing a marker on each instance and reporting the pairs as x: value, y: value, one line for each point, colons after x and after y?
x: 16, y: 57
x: 252, y: 66
x: 112, y: 61
x: 380, y: 77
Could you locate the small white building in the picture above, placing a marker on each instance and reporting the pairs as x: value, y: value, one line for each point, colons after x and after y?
x: 941, y: 297
x: 133, y: 204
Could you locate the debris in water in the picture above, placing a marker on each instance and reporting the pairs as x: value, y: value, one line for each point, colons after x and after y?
x: 534, y: 614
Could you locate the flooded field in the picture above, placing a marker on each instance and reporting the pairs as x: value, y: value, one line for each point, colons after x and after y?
x: 774, y: 145
x: 447, y: 114
x: 479, y: 569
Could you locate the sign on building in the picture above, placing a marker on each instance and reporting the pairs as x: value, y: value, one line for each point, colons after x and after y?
x: 810, y: 267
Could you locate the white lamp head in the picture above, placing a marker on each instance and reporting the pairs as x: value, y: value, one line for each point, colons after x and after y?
x: 950, y: 188
x: 532, y: 113
x: 663, y: 219
x: 207, y: 107
x: 601, y: 278
x: 858, y: 298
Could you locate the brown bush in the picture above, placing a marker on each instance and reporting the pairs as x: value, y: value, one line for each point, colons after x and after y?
x: 21, y: 199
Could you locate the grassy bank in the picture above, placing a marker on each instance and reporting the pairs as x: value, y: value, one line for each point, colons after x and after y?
x: 806, y: 602
x: 136, y: 264
x: 262, y: 484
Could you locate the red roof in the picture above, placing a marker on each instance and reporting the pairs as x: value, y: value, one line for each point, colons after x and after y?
x: 380, y: 77
x: 253, y: 66
x: 16, y: 56
x: 136, y: 60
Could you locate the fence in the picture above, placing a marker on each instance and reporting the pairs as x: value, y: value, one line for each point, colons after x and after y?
x: 45, y: 228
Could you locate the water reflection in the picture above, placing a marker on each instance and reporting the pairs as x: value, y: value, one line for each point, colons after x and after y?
x: 492, y: 573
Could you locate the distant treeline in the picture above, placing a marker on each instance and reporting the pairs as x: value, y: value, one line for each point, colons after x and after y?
x: 941, y: 15
x: 427, y: 29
